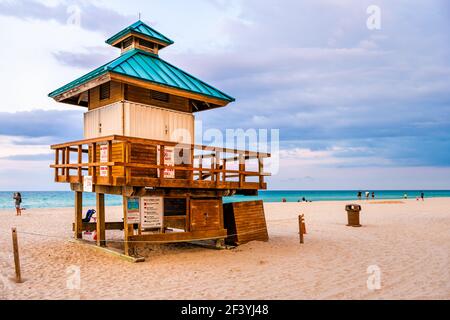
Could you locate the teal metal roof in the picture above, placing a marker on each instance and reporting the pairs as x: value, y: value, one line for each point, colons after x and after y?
x: 142, y: 29
x: 149, y: 67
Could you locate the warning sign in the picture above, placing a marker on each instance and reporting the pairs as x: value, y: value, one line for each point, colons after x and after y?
x: 152, y: 212
x: 133, y: 211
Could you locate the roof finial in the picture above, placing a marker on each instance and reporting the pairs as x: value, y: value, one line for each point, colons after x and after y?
x: 139, y: 16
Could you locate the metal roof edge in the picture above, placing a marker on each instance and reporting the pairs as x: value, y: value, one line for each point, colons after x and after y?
x: 230, y: 98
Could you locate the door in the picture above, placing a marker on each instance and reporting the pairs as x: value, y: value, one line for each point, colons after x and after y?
x: 206, y: 215
x: 144, y: 121
x: 104, y: 121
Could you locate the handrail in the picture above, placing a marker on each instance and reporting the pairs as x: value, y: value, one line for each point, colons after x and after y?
x: 215, y: 171
x: 160, y: 142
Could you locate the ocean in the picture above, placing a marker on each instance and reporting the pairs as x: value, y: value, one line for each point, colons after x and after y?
x: 64, y: 199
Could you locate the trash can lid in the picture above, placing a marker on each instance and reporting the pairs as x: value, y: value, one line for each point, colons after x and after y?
x: 354, y: 207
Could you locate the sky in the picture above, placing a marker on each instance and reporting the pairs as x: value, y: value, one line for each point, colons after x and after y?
x: 361, y: 98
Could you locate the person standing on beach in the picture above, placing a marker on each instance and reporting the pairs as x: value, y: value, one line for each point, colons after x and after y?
x: 367, y: 195
x: 18, y: 200
x: 359, y: 195
x: 373, y: 195
x: 422, y: 196
x: 405, y: 196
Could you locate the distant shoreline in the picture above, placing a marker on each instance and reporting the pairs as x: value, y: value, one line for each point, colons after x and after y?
x: 362, y: 201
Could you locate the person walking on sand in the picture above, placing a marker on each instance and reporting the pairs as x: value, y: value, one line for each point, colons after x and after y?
x: 18, y: 200
x: 367, y: 195
x: 359, y: 195
x: 422, y: 196
x: 373, y: 195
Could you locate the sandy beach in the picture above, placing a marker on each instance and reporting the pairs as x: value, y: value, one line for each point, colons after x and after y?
x: 408, y: 240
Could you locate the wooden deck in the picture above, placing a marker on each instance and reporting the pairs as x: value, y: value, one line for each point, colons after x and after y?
x: 140, y: 163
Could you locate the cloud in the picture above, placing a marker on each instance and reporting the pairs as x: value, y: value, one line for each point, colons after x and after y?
x: 42, y: 126
x: 91, y: 58
x: 31, y: 157
x: 92, y: 17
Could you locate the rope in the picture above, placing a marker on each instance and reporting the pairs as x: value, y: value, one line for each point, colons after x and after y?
x: 152, y: 241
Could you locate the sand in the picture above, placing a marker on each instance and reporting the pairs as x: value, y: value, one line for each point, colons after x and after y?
x: 407, y: 241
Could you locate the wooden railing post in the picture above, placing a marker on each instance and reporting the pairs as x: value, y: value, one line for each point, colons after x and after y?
x: 63, y: 161
x: 67, y: 151
x: 241, y: 169
x: 94, y: 159
x: 224, y: 170
x: 161, y: 163
x: 200, y: 167
x: 80, y: 160
x: 191, y: 163
x: 56, y: 163
x: 213, y: 165
x: 261, y: 170
x: 217, y: 173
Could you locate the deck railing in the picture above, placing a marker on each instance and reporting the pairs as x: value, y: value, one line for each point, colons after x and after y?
x: 207, y: 167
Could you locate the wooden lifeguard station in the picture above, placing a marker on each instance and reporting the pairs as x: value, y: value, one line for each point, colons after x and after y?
x: 139, y: 143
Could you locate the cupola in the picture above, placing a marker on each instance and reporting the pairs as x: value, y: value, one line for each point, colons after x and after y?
x: 139, y: 36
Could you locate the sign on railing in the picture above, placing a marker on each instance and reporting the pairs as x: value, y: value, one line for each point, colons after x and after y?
x: 103, y: 159
x: 169, y: 160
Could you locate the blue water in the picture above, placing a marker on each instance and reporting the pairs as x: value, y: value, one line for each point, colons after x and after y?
x: 61, y: 199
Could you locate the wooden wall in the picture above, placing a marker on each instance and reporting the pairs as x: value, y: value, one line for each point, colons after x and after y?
x: 142, y: 95
x: 245, y: 222
x: 116, y: 94
x: 120, y: 91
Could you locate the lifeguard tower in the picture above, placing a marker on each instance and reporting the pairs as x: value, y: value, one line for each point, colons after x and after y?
x: 139, y: 143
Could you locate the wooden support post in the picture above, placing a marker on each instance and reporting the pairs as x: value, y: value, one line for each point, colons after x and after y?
x: 16, y: 255
x: 125, y: 227
x: 80, y: 160
x: 300, y: 227
x: 101, y: 239
x: 78, y: 214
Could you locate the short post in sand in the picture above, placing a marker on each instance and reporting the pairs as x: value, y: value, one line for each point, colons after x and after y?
x: 301, y: 227
x: 16, y: 255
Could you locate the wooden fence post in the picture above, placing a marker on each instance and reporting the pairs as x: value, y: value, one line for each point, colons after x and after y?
x: 16, y: 255
x: 300, y: 227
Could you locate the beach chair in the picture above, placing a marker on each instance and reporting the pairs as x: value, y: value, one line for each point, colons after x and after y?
x: 89, y: 215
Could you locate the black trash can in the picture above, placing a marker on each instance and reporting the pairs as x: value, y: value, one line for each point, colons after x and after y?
x: 353, y: 211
